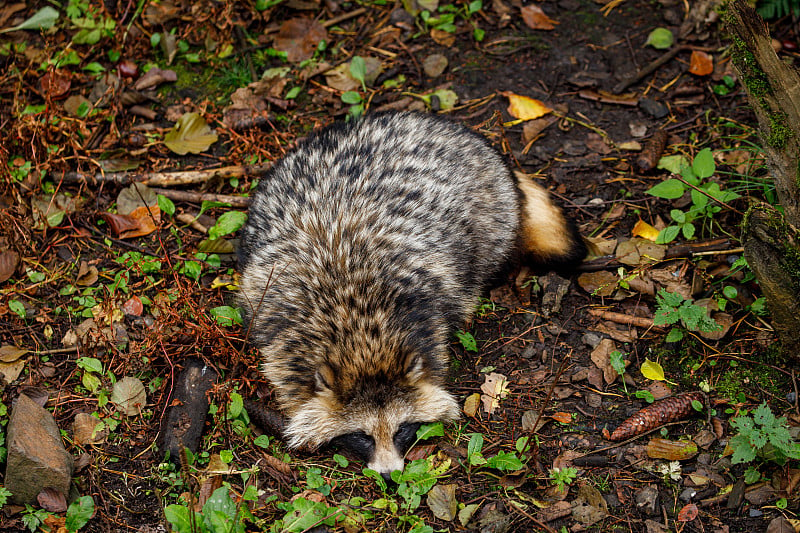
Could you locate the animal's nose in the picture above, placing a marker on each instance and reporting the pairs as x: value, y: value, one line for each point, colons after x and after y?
x: 387, y: 477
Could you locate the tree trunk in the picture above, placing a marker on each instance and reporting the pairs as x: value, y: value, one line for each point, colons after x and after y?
x: 770, y: 239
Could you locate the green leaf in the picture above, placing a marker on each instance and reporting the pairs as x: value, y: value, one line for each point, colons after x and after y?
x: 467, y: 340
x: 645, y: 395
x: 191, y: 134
x: 341, y: 460
x: 235, y: 406
x: 688, y: 231
x: 617, y: 361
x: 17, y: 307
x: 43, y: 19
x: 730, y: 292
x: 669, y: 189
x: 262, y: 441
x: 79, y: 512
x: 226, y: 315
x: 166, y: 205
x: 358, y: 69
x: 292, y: 93
x: 667, y: 234
x: 90, y: 364
x: 229, y: 222
x: 703, y: 164
x: 351, y: 97
x: 660, y: 39
x: 505, y: 461
x: 427, y: 431
x: 474, y: 456
x: 674, y: 335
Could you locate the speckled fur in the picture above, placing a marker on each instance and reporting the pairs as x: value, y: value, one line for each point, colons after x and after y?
x: 364, y: 249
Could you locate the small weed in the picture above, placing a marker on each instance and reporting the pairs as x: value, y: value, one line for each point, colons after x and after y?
x: 91, y: 26
x: 707, y: 196
x: 775, y: 9
x: 467, y: 340
x: 762, y: 436
x: 563, y: 477
x: 673, y: 308
x: 220, y: 514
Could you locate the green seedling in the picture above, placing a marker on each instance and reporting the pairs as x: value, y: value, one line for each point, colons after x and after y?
x: 674, y: 308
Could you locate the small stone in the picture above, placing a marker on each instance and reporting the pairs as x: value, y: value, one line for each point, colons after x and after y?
x: 755, y: 513
x: 591, y: 339
x: 647, y: 500
x: 687, y: 494
x: 654, y: 108
x: 36, y: 455
x: 434, y: 65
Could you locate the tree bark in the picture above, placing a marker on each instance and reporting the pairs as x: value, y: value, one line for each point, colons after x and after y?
x: 770, y: 239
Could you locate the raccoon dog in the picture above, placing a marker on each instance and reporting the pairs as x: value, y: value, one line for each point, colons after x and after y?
x: 365, y: 248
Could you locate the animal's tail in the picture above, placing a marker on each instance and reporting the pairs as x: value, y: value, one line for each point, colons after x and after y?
x: 547, y: 238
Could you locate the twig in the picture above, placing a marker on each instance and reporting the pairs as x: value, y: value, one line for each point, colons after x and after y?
x: 628, y: 320
x: 701, y: 191
x: 169, y: 179
x: 343, y: 17
x: 199, y: 197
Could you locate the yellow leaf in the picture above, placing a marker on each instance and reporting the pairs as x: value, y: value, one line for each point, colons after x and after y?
x: 525, y: 108
x: 471, y: 404
x: 644, y: 230
x: 652, y: 370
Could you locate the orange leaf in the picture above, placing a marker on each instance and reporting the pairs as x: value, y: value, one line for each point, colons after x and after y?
x: 701, y: 63
x: 561, y: 416
x: 687, y: 513
x: 525, y: 108
x: 141, y: 221
x: 644, y: 230
x: 535, y: 18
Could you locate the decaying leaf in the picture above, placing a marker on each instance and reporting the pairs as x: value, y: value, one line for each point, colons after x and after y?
x: 9, y: 353
x: 525, y: 108
x: 154, y: 77
x: 142, y: 221
x: 601, y: 358
x: 87, y: 274
x: 600, y: 283
x: 133, y: 306
x: 191, y: 134
x: 671, y: 450
x: 701, y: 63
x: 341, y: 78
x: 638, y: 251
x: 12, y: 370
x: 87, y: 429
x: 9, y: 260
x: 442, y: 502
x: 536, y: 19
x: 136, y: 195
x: 657, y: 414
x: 52, y: 500
x: 471, y: 404
x: 495, y: 388
x: 129, y: 395
x: 299, y: 38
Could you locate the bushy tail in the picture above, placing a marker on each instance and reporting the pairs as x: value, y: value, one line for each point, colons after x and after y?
x: 547, y: 238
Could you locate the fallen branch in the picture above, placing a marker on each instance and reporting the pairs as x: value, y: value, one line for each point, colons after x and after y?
x: 628, y: 320
x: 199, y: 197
x: 168, y: 179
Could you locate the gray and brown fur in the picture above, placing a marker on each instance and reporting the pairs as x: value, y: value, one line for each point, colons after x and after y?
x: 365, y: 248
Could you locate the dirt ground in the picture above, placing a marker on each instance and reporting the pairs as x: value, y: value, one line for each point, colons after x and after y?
x: 545, y: 334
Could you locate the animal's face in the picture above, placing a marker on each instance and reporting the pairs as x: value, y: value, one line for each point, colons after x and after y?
x: 378, y: 423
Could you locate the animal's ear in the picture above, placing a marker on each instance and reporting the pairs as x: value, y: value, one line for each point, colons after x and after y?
x: 324, y: 378
x: 414, y: 367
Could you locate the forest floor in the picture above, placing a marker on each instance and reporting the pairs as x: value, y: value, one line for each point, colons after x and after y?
x: 107, y: 290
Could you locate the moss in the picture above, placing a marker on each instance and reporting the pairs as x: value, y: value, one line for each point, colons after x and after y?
x: 743, y: 379
x: 779, y: 132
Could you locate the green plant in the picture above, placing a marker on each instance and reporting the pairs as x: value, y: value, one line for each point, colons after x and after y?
x: 33, y: 518
x: 447, y: 14
x: 762, y: 436
x: 707, y: 196
x: 774, y: 9
x: 674, y: 308
x: 563, y: 477
x: 220, y: 514
x: 79, y: 513
x: 467, y: 340
x: 91, y: 25
x: 503, y: 461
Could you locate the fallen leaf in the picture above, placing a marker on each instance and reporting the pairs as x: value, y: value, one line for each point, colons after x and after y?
x: 529, y: 423
x: 660, y: 39
x: 443, y: 38
x: 43, y: 19
x: 471, y: 404
x: 299, y: 38
x: 688, y: 513
x: 535, y: 18
x: 434, y: 65
x: 562, y: 417
x: 420, y: 452
x: 701, y: 63
x: 9, y: 353
x: 154, y: 77
x: 52, y: 500
x: 136, y: 195
x: 601, y: 283
x: 142, y: 221
x: 11, y: 371
x: 85, y: 429
x: 465, y: 514
x: 55, y: 83
x: 129, y: 395
x: 442, y: 502
x: 341, y: 78
x: 133, y: 306
x: 644, y: 230
x: 601, y: 358
x: 190, y: 134
x: 525, y: 108
x: 671, y: 450
x: 8, y: 264
x: 652, y: 370
x: 495, y: 388
x: 87, y: 274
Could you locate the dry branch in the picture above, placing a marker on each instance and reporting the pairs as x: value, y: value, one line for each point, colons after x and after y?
x: 168, y: 179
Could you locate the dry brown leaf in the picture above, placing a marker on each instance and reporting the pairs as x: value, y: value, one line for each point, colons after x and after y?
x: 133, y: 306
x: 601, y: 358
x: 8, y: 264
x: 562, y: 417
x: 11, y: 371
x: 495, y: 388
x: 422, y: 451
x: 701, y: 63
x: 671, y: 450
x: 55, y: 83
x: 536, y: 19
x: 85, y: 430
x: 299, y: 38
x: 471, y: 404
x: 87, y: 274
x: 600, y: 283
x: 142, y: 221
x: 52, y: 500
x: 443, y: 38
x: 9, y: 353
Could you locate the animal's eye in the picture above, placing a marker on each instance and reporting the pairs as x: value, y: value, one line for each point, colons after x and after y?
x: 358, y: 442
x: 405, y: 436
